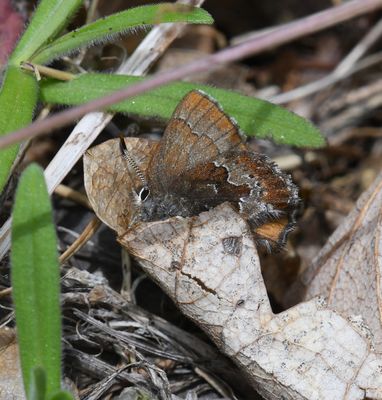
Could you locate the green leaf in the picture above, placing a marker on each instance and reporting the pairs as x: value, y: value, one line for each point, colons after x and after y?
x: 112, y: 27
x: 255, y: 117
x: 19, y: 91
x: 38, y: 384
x: 62, y: 395
x: 35, y: 279
x: 18, y: 98
x: 50, y: 17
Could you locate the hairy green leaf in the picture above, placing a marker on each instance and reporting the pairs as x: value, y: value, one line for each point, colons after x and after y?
x: 37, y: 389
x: 108, y: 28
x: 255, y: 117
x: 18, y: 97
x: 50, y: 17
x: 35, y: 280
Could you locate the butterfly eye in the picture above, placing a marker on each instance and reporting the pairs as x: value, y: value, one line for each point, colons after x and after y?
x: 144, y: 193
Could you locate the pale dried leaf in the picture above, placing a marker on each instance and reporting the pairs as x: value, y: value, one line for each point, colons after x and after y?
x: 11, y: 384
x: 109, y: 180
x: 209, y: 266
x: 347, y: 271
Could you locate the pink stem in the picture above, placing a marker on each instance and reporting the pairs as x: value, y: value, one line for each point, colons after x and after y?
x: 281, y: 35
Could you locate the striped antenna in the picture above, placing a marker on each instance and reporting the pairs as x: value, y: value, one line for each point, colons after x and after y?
x: 144, y: 192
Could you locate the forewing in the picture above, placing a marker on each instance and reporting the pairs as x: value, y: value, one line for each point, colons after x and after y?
x: 198, y: 132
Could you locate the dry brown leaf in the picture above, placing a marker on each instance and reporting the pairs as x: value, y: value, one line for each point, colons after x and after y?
x: 108, y: 182
x: 11, y: 383
x: 348, y: 269
x: 209, y: 266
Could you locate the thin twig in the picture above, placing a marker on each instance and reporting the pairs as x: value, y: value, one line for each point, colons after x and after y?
x: 39, y: 70
x: 5, y: 292
x: 281, y: 35
x: 360, y: 49
x: 68, y: 193
x: 345, y: 68
x: 85, y: 235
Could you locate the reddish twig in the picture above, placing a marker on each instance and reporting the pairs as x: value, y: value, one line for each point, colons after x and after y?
x: 281, y: 35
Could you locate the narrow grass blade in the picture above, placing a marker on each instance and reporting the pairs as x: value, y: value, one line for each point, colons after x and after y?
x: 110, y: 28
x: 18, y: 99
x: 255, y: 117
x: 50, y: 17
x: 35, y: 280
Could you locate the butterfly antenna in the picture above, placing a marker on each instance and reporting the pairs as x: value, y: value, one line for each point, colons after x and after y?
x: 144, y: 191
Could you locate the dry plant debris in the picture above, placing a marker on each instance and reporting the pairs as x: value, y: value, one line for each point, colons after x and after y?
x: 11, y: 385
x: 112, y: 344
x: 313, y: 350
x: 347, y: 271
x: 209, y: 266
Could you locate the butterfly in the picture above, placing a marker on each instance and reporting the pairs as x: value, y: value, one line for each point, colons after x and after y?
x: 201, y: 161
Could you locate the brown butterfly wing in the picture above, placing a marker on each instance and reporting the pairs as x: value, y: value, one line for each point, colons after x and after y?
x: 198, y: 132
x: 252, y: 183
x: 202, y: 161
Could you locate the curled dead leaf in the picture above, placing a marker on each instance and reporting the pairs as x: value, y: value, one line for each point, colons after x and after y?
x: 348, y: 269
x: 208, y: 264
x: 307, y: 352
x: 108, y: 181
